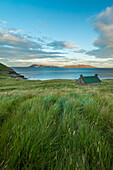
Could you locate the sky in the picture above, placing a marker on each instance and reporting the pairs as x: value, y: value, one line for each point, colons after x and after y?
x: 56, y: 32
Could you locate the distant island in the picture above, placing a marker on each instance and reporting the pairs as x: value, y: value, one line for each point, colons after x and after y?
x: 79, y: 66
x: 41, y: 65
x: 69, y: 66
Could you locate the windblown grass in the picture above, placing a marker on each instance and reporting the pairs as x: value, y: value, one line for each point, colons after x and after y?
x: 55, y: 125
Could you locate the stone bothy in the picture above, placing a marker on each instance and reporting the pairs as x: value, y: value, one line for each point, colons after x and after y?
x: 89, y: 80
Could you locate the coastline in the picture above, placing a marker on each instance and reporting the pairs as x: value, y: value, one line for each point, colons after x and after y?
x: 16, y: 75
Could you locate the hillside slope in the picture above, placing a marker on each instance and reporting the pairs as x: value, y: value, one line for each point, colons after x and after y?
x: 5, y: 70
x: 9, y: 72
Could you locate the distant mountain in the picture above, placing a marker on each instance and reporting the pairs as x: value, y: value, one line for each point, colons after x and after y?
x: 79, y: 66
x: 42, y: 65
x: 70, y: 66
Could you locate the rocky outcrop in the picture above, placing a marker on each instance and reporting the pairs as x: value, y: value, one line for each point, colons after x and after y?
x: 16, y: 75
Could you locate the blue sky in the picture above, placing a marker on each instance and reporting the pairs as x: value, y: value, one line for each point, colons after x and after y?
x: 58, y: 32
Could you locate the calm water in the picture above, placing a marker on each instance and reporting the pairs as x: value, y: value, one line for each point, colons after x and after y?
x: 63, y: 73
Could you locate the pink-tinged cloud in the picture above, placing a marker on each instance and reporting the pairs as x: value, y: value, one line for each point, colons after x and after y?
x: 14, y: 32
x: 60, y: 45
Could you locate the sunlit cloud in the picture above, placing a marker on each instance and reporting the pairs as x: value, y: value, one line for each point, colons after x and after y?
x: 104, y: 27
x: 17, y: 40
x: 16, y: 47
x: 60, y: 45
x: 15, y: 32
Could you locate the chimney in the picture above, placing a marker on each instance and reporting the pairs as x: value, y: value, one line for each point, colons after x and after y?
x: 81, y: 76
x: 96, y: 75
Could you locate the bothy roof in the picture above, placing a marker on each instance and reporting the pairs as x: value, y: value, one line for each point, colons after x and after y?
x: 91, y: 79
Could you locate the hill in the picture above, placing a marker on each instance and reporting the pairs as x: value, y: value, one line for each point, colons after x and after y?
x: 70, y: 66
x: 6, y: 71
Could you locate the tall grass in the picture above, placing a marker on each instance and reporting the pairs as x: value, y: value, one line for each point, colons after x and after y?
x: 65, y: 129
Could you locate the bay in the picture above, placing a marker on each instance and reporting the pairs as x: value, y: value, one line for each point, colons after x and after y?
x: 46, y: 73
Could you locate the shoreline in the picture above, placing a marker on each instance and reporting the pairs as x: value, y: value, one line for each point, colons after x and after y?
x: 22, y: 77
x: 16, y: 75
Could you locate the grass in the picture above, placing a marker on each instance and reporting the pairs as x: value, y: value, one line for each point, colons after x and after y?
x: 55, y: 124
x: 4, y: 70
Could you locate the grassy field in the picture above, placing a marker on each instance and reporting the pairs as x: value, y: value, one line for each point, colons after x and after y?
x: 55, y: 125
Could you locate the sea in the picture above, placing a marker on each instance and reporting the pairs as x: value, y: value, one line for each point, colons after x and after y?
x: 45, y: 73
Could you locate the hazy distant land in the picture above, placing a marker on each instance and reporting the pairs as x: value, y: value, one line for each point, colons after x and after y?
x: 69, y: 66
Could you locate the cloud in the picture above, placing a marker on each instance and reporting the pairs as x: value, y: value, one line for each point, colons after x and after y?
x: 14, y: 32
x: 10, y: 49
x: 60, y: 45
x: 15, y: 46
x: 103, y: 25
x: 18, y: 48
x: 21, y: 53
x: 102, y: 63
x: 60, y: 61
x: 4, y: 22
x: 79, y: 51
x: 14, y: 39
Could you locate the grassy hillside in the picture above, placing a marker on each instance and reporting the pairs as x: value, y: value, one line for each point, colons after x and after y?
x: 4, y: 70
x: 55, y: 125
